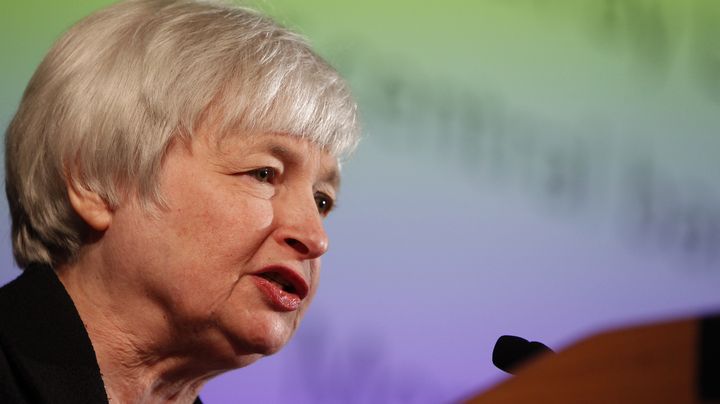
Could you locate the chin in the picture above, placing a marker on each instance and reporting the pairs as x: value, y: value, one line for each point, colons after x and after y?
x: 265, y: 337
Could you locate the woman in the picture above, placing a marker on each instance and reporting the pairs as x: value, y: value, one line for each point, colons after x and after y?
x: 168, y: 172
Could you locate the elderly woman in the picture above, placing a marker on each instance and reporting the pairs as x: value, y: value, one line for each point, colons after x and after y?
x: 168, y: 173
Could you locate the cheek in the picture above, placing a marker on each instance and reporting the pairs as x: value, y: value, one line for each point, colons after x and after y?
x: 225, y: 220
x: 262, y: 213
x: 210, y: 237
x: 212, y: 248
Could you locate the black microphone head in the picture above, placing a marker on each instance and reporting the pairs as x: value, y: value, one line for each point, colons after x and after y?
x: 511, y: 351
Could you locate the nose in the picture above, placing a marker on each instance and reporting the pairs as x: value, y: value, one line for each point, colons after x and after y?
x: 300, y: 227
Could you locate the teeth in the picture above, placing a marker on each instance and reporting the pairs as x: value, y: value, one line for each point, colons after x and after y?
x: 274, y: 277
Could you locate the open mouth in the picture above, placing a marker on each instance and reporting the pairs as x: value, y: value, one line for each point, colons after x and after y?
x: 286, y: 280
x: 283, y: 283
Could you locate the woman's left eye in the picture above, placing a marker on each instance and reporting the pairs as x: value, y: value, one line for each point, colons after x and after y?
x: 264, y: 174
x: 324, y: 203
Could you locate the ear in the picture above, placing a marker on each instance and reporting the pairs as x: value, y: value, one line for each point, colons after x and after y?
x: 89, y: 206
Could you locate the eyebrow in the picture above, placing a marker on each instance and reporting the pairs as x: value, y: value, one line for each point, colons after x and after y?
x: 331, y: 177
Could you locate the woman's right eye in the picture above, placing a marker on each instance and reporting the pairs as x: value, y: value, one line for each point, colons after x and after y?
x: 264, y: 174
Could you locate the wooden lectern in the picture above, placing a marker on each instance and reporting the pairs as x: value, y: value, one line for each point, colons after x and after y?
x: 675, y: 362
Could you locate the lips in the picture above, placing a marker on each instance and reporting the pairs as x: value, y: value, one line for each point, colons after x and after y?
x: 283, y: 288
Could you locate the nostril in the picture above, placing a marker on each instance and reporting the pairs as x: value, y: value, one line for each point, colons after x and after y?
x: 297, y: 245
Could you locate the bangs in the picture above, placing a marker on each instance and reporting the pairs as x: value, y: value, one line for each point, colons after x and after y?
x: 290, y: 93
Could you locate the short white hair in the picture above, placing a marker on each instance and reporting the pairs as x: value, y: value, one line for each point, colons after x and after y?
x: 123, y: 83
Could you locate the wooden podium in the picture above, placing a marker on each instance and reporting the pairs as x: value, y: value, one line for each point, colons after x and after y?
x: 659, y: 363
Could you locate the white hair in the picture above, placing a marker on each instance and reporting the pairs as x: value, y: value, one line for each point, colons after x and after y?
x: 114, y: 92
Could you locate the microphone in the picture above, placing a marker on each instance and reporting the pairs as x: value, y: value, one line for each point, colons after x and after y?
x: 510, y: 352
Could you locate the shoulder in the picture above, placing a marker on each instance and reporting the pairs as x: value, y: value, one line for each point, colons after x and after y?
x: 10, y: 386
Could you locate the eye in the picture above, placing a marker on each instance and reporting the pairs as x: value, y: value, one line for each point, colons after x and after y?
x: 324, y: 203
x: 264, y: 174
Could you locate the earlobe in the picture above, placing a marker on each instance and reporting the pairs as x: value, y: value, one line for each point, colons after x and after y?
x: 90, y: 206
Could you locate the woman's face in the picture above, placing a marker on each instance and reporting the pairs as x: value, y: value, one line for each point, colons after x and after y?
x: 232, y: 261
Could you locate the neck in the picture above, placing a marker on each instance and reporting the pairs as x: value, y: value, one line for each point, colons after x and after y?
x: 138, y: 357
